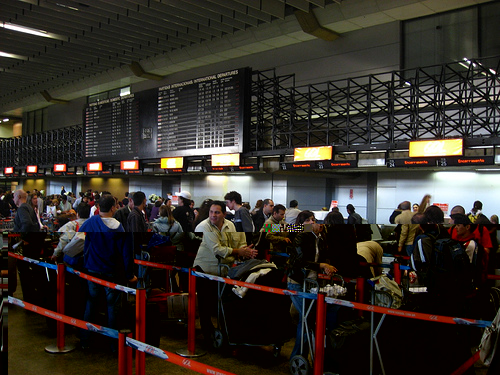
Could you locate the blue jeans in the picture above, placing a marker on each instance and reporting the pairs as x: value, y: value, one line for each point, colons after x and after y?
x: 298, y: 303
x: 409, y: 249
x: 113, y: 307
x: 331, y: 320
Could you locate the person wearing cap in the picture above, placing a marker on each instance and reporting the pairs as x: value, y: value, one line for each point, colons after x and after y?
x: 183, y: 213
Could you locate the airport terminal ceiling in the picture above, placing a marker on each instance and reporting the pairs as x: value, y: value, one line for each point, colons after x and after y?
x: 57, y: 51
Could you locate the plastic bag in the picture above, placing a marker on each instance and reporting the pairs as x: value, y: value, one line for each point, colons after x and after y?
x: 490, y: 341
x: 384, y: 283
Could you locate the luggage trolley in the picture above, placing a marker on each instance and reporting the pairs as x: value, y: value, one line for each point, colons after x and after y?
x: 299, y: 364
x: 383, y: 298
x: 264, y: 313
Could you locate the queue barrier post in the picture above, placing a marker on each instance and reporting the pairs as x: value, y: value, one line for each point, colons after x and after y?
x: 191, y: 351
x: 123, y: 353
x: 360, y: 292
x: 397, y: 273
x: 60, y: 347
x: 319, y: 356
x: 140, y: 329
x: 129, y: 356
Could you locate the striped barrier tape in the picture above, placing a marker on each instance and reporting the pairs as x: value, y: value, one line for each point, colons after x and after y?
x: 262, y: 288
x: 34, y: 261
x: 174, y: 358
x: 356, y: 305
x: 409, y: 314
x: 65, y: 319
x: 79, y: 273
x: 160, y: 265
x: 108, y: 284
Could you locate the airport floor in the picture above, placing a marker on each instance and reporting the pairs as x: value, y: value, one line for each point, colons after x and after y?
x: 29, y: 334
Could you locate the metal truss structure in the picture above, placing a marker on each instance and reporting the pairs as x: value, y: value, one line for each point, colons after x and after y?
x: 378, y: 111
x: 46, y: 148
x: 459, y: 99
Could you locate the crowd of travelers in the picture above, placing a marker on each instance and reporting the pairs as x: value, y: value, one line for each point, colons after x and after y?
x: 224, y: 231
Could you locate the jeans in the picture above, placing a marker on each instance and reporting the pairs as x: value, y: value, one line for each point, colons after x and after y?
x: 113, y: 306
x: 331, y: 320
x: 298, y: 304
x: 409, y: 249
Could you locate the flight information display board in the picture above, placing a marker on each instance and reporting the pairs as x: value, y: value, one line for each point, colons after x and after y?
x: 201, y: 116
x: 112, y: 129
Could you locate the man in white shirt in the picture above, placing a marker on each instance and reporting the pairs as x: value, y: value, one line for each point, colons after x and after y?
x: 292, y: 212
x: 220, y: 239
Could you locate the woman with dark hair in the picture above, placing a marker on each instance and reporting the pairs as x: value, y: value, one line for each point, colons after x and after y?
x: 166, y: 225
x: 202, y: 212
x: 155, y: 210
x: 334, y: 217
x: 307, y: 258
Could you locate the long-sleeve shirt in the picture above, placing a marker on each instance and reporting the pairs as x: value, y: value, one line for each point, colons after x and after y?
x: 217, y: 243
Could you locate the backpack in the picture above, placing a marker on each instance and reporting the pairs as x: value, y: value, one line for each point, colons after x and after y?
x: 73, y: 251
x: 443, y: 265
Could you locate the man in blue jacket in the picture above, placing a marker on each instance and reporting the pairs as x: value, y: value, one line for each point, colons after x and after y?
x: 108, y: 255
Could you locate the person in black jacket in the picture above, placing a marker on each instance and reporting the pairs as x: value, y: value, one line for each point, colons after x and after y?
x: 136, y: 221
x: 122, y: 214
x: 354, y: 217
x: 307, y: 258
x: 183, y: 212
x: 26, y: 219
x: 263, y: 214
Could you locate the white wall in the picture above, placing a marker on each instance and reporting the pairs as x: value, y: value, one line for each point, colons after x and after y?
x: 453, y: 188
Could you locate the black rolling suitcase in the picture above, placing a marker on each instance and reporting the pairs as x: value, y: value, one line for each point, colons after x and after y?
x: 347, y: 348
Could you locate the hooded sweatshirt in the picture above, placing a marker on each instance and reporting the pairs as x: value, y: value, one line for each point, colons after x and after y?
x: 108, y: 248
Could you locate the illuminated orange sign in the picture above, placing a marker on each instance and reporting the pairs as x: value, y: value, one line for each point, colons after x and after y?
x: 444, y: 147
x: 8, y: 170
x: 59, y: 167
x: 32, y: 169
x: 94, y: 167
x: 225, y: 160
x: 172, y: 163
x: 312, y: 153
x: 129, y: 165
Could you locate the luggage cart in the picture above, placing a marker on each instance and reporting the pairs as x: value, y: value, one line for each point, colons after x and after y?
x: 265, y: 314
x: 380, y: 298
x: 299, y: 364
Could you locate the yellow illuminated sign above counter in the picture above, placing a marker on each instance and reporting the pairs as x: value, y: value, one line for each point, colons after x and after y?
x: 444, y: 147
x: 312, y: 153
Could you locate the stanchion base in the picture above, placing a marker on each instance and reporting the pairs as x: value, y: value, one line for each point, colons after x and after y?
x: 53, y: 349
x: 187, y: 354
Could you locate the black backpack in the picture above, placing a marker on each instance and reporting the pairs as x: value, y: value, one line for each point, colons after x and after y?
x: 443, y: 265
